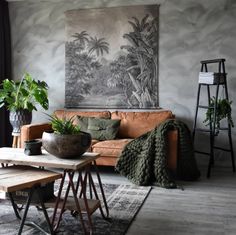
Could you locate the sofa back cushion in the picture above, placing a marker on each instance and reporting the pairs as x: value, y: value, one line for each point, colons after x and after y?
x: 74, y: 113
x: 134, y: 124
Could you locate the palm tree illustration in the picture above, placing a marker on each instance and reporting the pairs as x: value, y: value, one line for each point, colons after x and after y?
x: 81, y: 38
x: 81, y: 65
x: 119, y: 77
x: 142, y: 48
x: 98, y: 45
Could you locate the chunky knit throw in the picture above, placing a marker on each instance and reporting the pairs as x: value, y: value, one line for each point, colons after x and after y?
x: 144, y: 159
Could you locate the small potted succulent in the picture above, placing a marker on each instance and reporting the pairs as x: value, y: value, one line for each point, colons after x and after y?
x: 66, y: 140
x: 21, y: 98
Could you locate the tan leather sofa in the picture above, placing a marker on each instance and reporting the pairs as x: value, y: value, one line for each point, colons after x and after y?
x: 132, y: 125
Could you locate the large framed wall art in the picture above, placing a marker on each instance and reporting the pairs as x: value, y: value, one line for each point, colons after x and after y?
x: 112, y: 58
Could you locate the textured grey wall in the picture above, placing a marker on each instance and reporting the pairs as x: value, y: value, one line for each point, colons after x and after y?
x: 190, y: 31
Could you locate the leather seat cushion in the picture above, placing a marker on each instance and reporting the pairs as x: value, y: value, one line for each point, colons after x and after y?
x: 110, y: 147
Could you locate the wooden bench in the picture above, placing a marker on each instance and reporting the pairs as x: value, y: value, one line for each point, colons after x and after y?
x: 14, y: 178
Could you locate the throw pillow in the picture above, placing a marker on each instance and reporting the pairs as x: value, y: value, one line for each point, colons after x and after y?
x: 103, y: 129
x: 99, y: 128
x: 83, y: 122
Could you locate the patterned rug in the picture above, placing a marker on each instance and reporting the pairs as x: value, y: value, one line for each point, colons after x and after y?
x: 124, y: 201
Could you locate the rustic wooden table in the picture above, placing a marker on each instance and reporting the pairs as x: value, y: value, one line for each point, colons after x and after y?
x: 15, y: 178
x: 79, y: 203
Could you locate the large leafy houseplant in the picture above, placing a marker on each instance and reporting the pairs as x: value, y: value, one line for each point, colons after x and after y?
x: 21, y: 98
x: 223, y: 110
x: 24, y: 94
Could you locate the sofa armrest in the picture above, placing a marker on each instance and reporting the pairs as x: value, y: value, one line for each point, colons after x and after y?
x: 172, y: 150
x: 33, y: 131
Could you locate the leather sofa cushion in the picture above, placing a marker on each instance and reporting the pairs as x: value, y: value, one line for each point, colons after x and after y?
x: 70, y: 113
x: 110, y: 147
x: 134, y: 124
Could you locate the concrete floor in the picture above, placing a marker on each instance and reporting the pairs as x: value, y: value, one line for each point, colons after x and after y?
x: 207, y: 206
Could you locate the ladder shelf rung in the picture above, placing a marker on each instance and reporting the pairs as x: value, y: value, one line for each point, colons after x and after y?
x: 205, y: 107
x: 202, y: 130
x: 223, y: 128
x: 214, y: 84
x: 201, y: 152
x: 212, y: 61
x: 223, y: 149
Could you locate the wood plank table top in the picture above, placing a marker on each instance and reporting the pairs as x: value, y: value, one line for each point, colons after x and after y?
x: 15, y: 178
x: 17, y: 156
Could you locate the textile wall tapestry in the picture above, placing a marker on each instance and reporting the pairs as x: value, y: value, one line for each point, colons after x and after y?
x: 112, y: 58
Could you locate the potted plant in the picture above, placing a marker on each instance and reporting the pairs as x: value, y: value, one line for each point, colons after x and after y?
x: 21, y: 98
x: 223, y: 110
x: 66, y: 140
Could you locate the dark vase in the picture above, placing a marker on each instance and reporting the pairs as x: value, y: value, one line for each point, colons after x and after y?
x: 66, y: 146
x: 33, y: 147
x: 19, y: 118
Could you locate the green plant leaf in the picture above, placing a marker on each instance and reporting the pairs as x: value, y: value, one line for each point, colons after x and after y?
x: 63, y: 125
x: 24, y: 94
x: 223, y: 110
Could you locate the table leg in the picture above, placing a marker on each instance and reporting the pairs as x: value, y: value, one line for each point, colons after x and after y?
x: 26, y: 211
x: 102, y: 191
x: 14, y: 206
x: 62, y: 209
x: 83, y: 181
x: 16, y: 141
x: 70, y: 175
x: 58, y: 199
x: 50, y: 227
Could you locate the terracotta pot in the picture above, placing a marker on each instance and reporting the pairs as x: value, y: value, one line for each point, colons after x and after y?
x: 19, y: 118
x: 66, y: 146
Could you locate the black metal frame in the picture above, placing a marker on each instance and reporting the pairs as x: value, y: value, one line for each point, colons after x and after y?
x: 212, y: 124
x: 23, y: 220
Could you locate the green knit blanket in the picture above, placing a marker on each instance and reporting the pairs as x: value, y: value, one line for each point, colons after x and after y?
x: 144, y: 159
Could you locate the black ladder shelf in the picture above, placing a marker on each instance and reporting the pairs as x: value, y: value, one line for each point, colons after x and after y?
x: 221, y: 81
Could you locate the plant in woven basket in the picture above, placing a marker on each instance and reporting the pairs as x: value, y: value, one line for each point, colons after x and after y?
x: 223, y: 110
x: 64, y: 126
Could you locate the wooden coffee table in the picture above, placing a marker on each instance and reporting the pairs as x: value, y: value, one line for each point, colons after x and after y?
x: 14, y: 178
x: 79, y: 203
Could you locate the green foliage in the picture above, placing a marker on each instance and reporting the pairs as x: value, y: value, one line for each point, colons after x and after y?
x: 223, y: 110
x: 64, y: 126
x: 24, y: 94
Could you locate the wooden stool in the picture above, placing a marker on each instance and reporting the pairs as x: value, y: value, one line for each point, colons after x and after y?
x: 16, y: 140
x: 16, y: 178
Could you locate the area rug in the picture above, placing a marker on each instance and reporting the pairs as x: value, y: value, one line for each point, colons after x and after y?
x: 124, y: 201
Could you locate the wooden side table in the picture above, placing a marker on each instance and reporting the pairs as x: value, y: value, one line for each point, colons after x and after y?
x: 15, y: 178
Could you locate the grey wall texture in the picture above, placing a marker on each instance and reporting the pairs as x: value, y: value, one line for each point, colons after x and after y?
x: 190, y: 31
